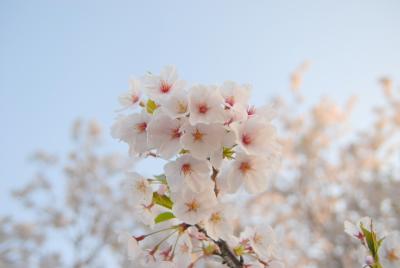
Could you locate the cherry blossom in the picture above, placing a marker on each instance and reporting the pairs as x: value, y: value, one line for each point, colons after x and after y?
x: 266, y: 112
x: 218, y: 223
x: 160, y: 86
x: 131, y: 98
x: 253, y: 171
x: 226, y: 151
x: 146, y: 212
x: 192, y: 207
x: 355, y: 231
x: 256, y: 136
x: 205, y: 105
x: 202, y: 139
x: 262, y: 240
x: 132, y: 249
x: 163, y: 134
x: 190, y: 172
x: 177, y: 105
x: 236, y: 100
x: 138, y: 188
x: 183, y: 250
x: 132, y: 129
x: 234, y: 94
x: 218, y: 147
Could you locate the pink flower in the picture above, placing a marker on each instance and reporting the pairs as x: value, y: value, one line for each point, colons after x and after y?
x: 160, y: 87
x: 205, y: 105
x: 164, y: 134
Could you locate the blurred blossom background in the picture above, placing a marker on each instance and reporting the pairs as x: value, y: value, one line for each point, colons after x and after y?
x: 331, y: 68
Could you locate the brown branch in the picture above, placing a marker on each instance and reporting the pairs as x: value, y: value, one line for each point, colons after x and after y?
x: 214, y: 179
x: 225, y: 253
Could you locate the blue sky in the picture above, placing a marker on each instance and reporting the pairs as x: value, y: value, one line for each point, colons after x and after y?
x: 60, y: 60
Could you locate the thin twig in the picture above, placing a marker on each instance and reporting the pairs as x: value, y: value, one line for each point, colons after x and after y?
x: 225, y: 253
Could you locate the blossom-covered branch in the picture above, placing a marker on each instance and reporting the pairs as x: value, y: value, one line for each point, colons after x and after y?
x: 215, y: 144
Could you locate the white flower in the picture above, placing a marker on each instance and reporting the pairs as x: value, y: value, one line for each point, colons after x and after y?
x: 354, y: 230
x: 234, y: 94
x: 130, y: 244
x: 148, y: 258
x: 145, y: 213
x: 192, y: 207
x: 159, y: 87
x: 131, y: 98
x: 251, y: 170
x: 163, y: 134
x: 390, y: 250
x: 205, y: 105
x: 236, y: 98
x: 265, y: 112
x: 234, y: 114
x: 183, y: 251
x: 177, y: 105
x: 219, y: 224
x: 202, y: 139
x: 189, y: 171
x: 227, y: 143
x: 138, y: 188
x: 132, y: 129
x: 256, y: 136
x: 262, y: 240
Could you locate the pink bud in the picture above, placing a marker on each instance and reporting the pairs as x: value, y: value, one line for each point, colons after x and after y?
x: 369, y: 260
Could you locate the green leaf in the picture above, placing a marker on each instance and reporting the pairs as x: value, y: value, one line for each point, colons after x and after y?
x: 151, y: 106
x: 162, y: 200
x: 372, y: 243
x: 380, y: 243
x: 369, y: 237
x: 164, y: 217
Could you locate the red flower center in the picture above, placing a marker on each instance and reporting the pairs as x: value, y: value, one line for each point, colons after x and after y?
x: 134, y: 98
x: 141, y: 127
x: 203, y: 108
x: 165, y: 87
x: 251, y: 110
x: 176, y: 134
x: 246, y: 139
x: 186, y: 169
x: 244, y: 167
x: 360, y: 236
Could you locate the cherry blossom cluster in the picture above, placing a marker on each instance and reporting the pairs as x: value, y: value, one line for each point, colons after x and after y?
x: 381, y: 249
x: 215, y: 144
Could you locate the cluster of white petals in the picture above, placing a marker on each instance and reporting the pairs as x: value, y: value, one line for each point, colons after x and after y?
x: 215, y: 144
